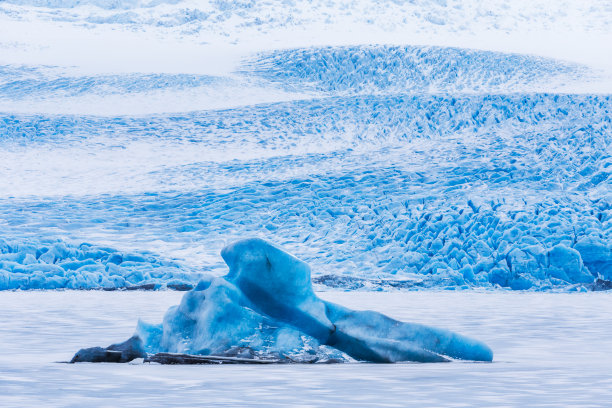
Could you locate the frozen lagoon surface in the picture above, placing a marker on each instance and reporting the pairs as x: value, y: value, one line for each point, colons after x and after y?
x: 551, y: 350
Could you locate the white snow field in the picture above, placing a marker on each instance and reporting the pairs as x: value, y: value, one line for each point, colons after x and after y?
x: 551, y: 349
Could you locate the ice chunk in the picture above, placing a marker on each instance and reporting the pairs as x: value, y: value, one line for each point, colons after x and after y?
x: 277, y: 284
x: 566, y: 264
x: 266, y: 304
x: 597, y: 256
x: 115, y: 353
x: 33, y: 264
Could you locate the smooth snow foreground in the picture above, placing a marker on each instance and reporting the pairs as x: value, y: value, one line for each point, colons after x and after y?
x: 266, y: 306
x: 550, y: 350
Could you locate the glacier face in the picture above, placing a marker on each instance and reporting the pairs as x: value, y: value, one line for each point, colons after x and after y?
x: 380, y: 166
x: 54, y: 264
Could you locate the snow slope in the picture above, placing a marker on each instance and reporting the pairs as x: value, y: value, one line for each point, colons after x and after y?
x: 165, y: 130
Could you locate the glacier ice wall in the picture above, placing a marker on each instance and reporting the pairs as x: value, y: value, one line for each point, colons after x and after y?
x: 54, y: 264
x: 381, y: 166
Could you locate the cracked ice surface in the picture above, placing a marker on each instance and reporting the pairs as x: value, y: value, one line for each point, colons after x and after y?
x: 400, y: 165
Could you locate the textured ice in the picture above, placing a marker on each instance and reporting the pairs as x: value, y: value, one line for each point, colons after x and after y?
x: 266, y: 306
x: 54, y: 264
x: 401, y: 69
x: 385, y: 166
x: 56, y: 90
x: 44, y: 83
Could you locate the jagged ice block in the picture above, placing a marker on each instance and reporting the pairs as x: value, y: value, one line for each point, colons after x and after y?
x: 266, y: 304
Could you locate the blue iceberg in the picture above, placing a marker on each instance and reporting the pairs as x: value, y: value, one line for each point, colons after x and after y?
x: 265, y: 306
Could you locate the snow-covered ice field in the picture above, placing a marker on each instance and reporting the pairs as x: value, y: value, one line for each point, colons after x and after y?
x: 430, y: 143
x: 551, y: 349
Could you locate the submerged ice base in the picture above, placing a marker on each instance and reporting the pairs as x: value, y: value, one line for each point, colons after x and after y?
x: 265, y: 306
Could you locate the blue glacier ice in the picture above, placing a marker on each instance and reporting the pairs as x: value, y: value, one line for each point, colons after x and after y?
x: 55, y: 264
x: 39, y: 83
x: 266, y: 305
x: 385, y: 167
x: 400, y: 69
